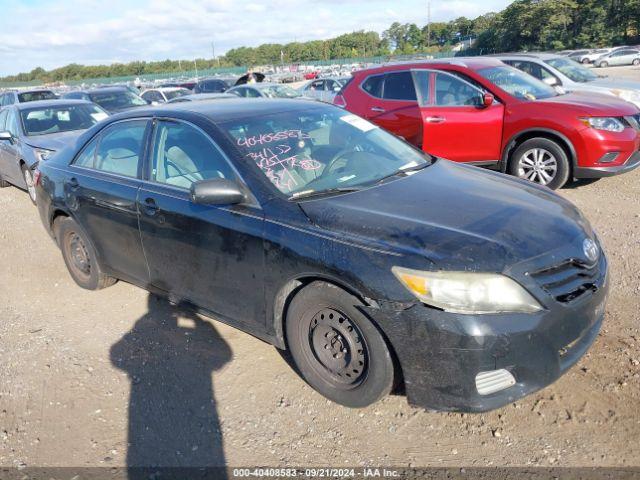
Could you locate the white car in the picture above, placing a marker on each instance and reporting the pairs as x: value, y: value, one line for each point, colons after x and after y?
x: 594, y: 55
x: 159, y: 95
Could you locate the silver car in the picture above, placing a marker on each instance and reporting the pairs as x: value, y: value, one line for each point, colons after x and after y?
x: 627, y: 56
x: 559, y: 71
x: 324, y: 89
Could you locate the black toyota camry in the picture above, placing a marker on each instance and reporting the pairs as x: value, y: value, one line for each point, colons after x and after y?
x: 376, y: 266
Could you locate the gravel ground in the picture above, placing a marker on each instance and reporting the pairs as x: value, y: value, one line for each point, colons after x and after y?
x: 117, y: 377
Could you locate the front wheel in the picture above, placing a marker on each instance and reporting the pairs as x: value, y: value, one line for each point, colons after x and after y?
x: 27, y: 174
x: 603, y: 65
x: 586, y: 61
x: 337, y: 349
x: 636, y: 62
x: 541, y: 161
x: 79, y: 255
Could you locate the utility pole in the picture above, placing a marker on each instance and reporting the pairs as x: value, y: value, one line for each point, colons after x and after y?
x: 428, y: 23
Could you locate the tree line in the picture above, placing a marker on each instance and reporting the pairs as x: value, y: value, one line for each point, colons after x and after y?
x: 523, y: 25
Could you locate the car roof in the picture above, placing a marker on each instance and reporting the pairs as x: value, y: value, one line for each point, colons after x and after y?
x: 49, y: 103
x: 101, y: 90
x: 538, y: 55
x: 465, y: 62
x: 231, y: 109
x: 207, y: 96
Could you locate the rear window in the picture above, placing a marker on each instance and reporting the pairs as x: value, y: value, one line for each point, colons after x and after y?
x: 399, y: 86
x: 35, y: 96
x: 42, y: 121
x: 373, y: 85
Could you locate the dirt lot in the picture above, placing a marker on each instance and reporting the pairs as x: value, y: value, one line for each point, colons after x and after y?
x: 115, y: 377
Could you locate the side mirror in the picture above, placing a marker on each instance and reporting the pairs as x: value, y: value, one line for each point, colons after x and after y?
x: 217, y: 191
x: 6, y: 136
x: 487, y: 100
x: 551, y: 81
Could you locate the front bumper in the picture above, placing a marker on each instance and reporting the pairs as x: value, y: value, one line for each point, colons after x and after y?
x: 441, y: 353
x: 599, y: 172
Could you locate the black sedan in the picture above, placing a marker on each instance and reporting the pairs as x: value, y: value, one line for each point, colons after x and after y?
x: 31, y: 132
x: 318, y: 232
x: 112, y: 99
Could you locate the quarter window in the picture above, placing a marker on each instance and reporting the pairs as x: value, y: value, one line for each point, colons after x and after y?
x: 119, y: 149
x: 12, y: 123
x: 399, y: 86
x: 184, y: 155
x: 373, y: 85
x: 88, y: 156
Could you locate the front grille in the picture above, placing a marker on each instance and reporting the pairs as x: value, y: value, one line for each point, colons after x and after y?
x: 569, y: 280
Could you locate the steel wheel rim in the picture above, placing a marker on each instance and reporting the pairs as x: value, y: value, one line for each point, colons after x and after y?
x: 78, y: 255
x: 538, y: 165
x: 28, y: 178
x: 339, y: 348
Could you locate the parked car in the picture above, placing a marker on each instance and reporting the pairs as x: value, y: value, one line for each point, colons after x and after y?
x: 111, y: 99
x: 481, y: 111
x: 164, y: 94
x: 578, y: 55
x: 324, y: 89
x: 316, y: 231
x: 32, y: 132
x: 627, y: 56
x: 189, y: 85
x: 9, y: 98
x: 559, y: 71
x: 199, y: 97
x: 265, y: 90
x: 212, y: 85
x: 592, y: 56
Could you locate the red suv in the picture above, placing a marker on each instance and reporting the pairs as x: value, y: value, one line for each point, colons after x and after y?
x: 483, y: 112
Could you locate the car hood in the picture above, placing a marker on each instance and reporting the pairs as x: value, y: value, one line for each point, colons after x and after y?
x: 592, y: 104
x: 456, y: 216
x: 53, y: 141
x: 615, y: 83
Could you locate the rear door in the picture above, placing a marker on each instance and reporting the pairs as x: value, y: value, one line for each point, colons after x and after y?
x: 102, y: 189
x: 456, y: 124
x: 393, y: 105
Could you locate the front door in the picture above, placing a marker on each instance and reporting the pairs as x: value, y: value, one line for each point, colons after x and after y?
x: 9, y: 151
x: 102, y: 189
x: 457, y: 126
x: 212, y: 256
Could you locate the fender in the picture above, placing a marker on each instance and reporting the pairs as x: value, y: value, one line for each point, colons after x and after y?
x: 514, y: 139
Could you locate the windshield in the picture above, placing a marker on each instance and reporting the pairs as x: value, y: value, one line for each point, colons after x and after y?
x: 279, y: 91
x: 518, y: 83
x: 323, y: 149
x: 42, y: 121
x: 573, y: 70
x: 35, y: 96
x: 176, y: 93
x: 117, y: 100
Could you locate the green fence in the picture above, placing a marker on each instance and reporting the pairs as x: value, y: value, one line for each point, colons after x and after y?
x: 242, y: 70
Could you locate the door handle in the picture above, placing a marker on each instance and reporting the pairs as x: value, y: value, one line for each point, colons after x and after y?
x: 378, y: 109
x: 150, y: 207
x: 73, y: 183
x: 436, y: 119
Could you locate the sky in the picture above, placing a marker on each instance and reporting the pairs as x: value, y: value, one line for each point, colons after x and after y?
x: 53, y: 33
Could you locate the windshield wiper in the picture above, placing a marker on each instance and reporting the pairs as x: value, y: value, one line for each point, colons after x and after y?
x: 319, y: 193
x: 403, y: 171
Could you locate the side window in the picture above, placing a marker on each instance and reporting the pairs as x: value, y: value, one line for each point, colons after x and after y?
x: 12, y: 123
x: 3, y: 119
x: 373, y: 85
x: 399, y: 86
x: 184, y: 155
x: 252, y: 93
x: 241, y: 92
x: 88, y: 155
x: 454, y: 92
x: 120, y: 148
x: 318, y: 85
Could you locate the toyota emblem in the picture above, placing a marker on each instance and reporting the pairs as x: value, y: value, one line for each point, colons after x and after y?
x: 590, y: 249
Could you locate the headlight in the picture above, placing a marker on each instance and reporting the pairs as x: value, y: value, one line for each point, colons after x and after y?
x: 43, y: 154
x: 465, y: 292
x: 608, y: 124
x: 632, y: 96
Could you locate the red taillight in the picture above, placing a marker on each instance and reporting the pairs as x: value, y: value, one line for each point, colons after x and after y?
x: 37, y: 174
x: 339, y: 101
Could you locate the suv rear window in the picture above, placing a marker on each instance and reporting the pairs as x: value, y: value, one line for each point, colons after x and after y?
x: 399, y: 86
x: 373, y: 85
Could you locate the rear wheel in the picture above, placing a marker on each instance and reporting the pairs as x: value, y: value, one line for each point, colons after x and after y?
x: 541, y: 161
x: 336, y: 348
x: 586, y: 61
x: 636, y: 62
x: 79, y: 255
x: 603, y: 64
x: 27, y: 174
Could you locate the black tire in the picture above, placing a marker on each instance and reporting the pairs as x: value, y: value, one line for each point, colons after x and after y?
x: 79, y: 255
x: 586, y: 61
x: 603, y: 64
x: 336, y: 348
x: 636, y: 62
x: 27, y: 175
x: 539, y: 171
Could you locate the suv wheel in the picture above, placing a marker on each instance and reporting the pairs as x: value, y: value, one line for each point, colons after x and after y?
x: 27, y: 174
x: 336, y: 348
x: 79, y: 255
x: 541, y: 161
